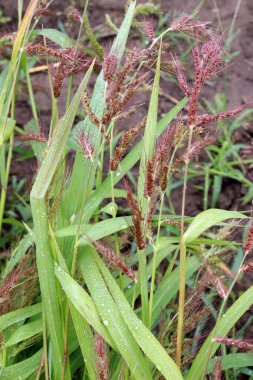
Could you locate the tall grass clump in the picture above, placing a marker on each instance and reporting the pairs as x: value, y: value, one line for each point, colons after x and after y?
x: 101, y: 279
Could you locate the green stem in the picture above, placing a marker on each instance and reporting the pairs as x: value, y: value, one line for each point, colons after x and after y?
x: 156, y: 247
x: 45, y: 345
x: 182, y: 268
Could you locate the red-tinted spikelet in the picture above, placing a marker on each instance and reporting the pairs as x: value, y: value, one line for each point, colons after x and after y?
x: 217, y: 370
x: 242, y: 344
x: 248, y: 267
x: 149, y: 186
x: 249, y: 241
x: 148, y: 28
x: 102, y: 358
x: 185, y: 24
x: 110, y: 66
x: 116, y: 260
x: 86, y: 146
x: 75, y: 15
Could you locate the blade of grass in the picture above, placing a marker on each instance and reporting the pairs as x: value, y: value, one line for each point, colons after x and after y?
x: 148, y: 343
x: 112, y: 317
x: 43, y: 253
x: 19, y: 315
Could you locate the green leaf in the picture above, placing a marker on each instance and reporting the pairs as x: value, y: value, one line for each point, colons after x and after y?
x: 83, y: 303
x: 98, y: 230
x: 22, y: 370
x: 207, y: 219
x: 60, y: 38
x: 112, y: 318
x: 238, y: 360
x: 146, y: 340
x: 228, y: 320
x: 19, y: 315
x: 25, y: 332
x: 8, y: 127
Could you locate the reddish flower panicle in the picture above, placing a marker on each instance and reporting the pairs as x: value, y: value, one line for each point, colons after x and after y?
x: 249, y: 241
x: 248, y: 267
x: 208, y: 119
x: 103, y: 361
x: 149, y: 186
x: 217, y: 370
x: 116, y: 260
x: 216, y: 281
x: 185, y: 24
x: 126, y: 141
x: 234, y: 343
x: 110, y: 66
x: 74, y: 15
x: 148, y: 29
x: 138, y: 233
x: 86, y: 146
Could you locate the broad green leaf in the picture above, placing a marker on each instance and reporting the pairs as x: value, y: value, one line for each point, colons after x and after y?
x: 146, y: 340
x: 25, y: 332
x: 207, y: 219
x: 228, y: 320
x: 82, y: 327
x: 60, y: 38
x: 112, y: 317
x: 23, y: 369
x: 19, y: 315
x: 98, y: 230
x: 238, y: 360
x: 80, y: 299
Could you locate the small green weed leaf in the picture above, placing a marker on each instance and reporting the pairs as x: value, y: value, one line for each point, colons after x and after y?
x: 9, y: 127
x: 111, y: 208
x: 238, y: 360
x: 25, y: 332
x: 207, y: 219
x: 60, y: 38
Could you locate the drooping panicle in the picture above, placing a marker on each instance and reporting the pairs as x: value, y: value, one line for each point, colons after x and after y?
x: 116, y: 260
x: 125, y: 142
x: 102, y: 358
x: 110, y: 66
x: 86, y: 146
x: 132, y: 202
x: 138, y: 233
x: 249, y: 241
x: 149, y: 185
x: 231, y: 342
